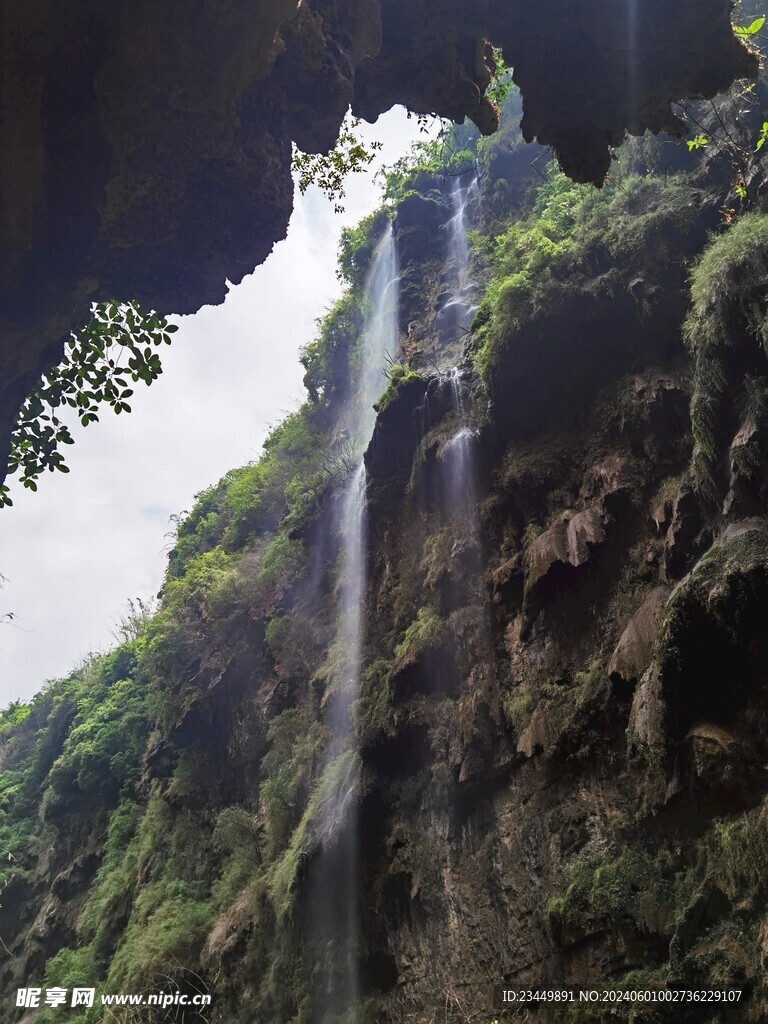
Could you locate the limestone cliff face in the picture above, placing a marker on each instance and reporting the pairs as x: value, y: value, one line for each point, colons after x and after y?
x: 146, y: 150
x: 561, y: 718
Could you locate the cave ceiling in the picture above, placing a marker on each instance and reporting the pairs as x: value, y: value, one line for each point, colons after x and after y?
x: 146, y: 147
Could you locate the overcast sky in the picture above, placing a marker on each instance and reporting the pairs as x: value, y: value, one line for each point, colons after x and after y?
x: 74, y: 552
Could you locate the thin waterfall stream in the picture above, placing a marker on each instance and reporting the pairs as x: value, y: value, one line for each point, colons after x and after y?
x: 458, y: 454
x: 337, y: 903
x: 455, y: 317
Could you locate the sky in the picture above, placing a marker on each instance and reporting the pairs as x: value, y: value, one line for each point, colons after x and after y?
x: 86, y: 542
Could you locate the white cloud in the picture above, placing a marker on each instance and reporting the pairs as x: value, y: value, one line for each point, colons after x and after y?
x: 74, y: 552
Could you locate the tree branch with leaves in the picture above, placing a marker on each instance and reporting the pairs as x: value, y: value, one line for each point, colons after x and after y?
x: 116, y: 348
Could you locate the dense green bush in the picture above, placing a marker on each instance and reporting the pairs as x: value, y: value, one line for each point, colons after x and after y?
x: 426, y: 633
x: 598, y: 886
x: 12, y: 717
x: 108, y: 733
x: 398, y: 375
x: 68, y: 969
x: 573, y: 234
x: 326, y: 359
x: 253, y: 500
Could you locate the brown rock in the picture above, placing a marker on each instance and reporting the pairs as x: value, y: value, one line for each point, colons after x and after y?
x: 533, y: 739
x: 646, y: 719
x: 568, y: 542
x: 635, y: 647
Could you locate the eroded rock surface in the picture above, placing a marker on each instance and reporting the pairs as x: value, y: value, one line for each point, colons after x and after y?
x: 635, y: 648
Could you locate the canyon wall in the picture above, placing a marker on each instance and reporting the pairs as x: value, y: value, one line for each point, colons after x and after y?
x: 559, y: 739
x: 146, y: 151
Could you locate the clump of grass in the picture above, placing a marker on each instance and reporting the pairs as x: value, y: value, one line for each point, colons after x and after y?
x: 427, y: 632
x: 398, y: 375
x: 742, y: 851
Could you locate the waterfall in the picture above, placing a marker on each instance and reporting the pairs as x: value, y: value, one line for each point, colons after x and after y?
x: 378, y: 340
x: 459, y: 468
x: 336, y: 899
x: 458, y: 457
x: 457, y: 395
x: 456, y: 315
x: 457, y: 227
x: 353, y: 580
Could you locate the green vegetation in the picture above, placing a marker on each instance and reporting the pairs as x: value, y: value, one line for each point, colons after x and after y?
x: 430, y: 163
x: 114, y: 349
x: 340, y: 777
x: 251, y: 502
x: 326, y: 359
x: 426, y: 633
x: 12, y: 717
x: 501, y: 80
x: 101, y: 752
x: 626, y: 887
x: 570, y: 231
x: 729, y: 287
x: 518, y: 708
x: 398, y: 376
x: 357, y: 248
x: 296, y: 743
x: 77, y: 743
x: 626, y: 890
x: 740, y: 849
x: 373, y: 709
x: 747, y: 31
x: 329, y: 171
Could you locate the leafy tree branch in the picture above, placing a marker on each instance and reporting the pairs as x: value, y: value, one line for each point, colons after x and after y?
x: 116, y: 348
x: 329, y: 170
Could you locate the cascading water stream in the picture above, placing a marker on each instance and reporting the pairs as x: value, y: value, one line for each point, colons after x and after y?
x: 349, y: 638
x: 379, y: 339
x: 458, y: 454
x: 455, y: 317
x: 459, y: 466
x: 336, y: 902
x: 458, y: 458
x: 457, y: 227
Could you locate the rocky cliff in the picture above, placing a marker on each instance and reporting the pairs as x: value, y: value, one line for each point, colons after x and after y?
x: 556, y: 771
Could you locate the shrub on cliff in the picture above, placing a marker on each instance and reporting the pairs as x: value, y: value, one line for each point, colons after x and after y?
x: 727, y: 331
x: 573, y: 238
